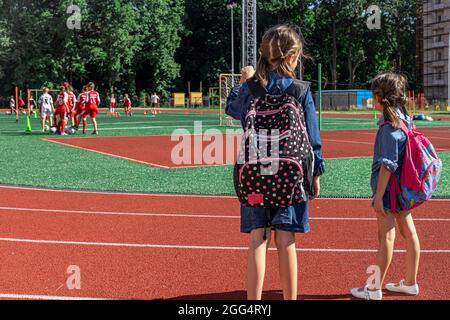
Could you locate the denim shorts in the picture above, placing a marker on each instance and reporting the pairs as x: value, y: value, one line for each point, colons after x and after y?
x: 291, y: 219
x: 387, y: 203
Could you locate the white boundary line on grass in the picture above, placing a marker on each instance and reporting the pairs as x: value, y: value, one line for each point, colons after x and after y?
x: 219, y: 248
x: 176, y: 215
x: 107, y: 154
x: 169, y: 194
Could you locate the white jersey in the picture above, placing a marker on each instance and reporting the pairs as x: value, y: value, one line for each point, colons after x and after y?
x: 154, y: 99
x: 12, y: 103
x: 46, y: 101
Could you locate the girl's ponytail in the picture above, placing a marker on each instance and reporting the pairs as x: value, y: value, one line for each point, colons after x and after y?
x: 263, y: 69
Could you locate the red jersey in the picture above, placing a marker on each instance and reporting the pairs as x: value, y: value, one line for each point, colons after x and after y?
x: 72, y: 100
x: 127, y: 103
x: 62, y: 100
x: 92, y: 100
x: 82, y: 100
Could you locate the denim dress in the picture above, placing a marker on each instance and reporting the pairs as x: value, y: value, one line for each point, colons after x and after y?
x: 389, y: 151
x: 293, y: 218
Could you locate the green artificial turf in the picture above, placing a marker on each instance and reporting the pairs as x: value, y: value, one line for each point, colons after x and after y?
x: 27, y: 160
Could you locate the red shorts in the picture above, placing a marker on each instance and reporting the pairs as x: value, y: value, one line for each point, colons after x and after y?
x: 92, y: 112
x: 113, y: 105
x: 61, y: 112
x: 80, y: 111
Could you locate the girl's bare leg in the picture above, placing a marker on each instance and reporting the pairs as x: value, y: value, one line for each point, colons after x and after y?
x: 386, y: 238
x: 408, y: 231
x: 256, y: 268
x: 287, y: 257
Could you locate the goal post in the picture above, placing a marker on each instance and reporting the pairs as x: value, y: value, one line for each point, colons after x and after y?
x: 226, y: 83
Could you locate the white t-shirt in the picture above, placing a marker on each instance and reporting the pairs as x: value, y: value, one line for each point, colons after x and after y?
x: 154, y: 99
x: 12, y: 103
x: 46, y: 101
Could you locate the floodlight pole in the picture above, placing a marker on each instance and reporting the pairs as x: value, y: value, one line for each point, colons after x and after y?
x: 249, y: 34
x: 232, y: 4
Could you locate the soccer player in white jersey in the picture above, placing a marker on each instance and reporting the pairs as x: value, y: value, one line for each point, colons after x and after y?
x: 46, y: 107
x: 154, y: 99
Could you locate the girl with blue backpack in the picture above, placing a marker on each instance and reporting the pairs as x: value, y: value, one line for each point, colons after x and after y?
x: 270, y: 101
x: 405, y: 173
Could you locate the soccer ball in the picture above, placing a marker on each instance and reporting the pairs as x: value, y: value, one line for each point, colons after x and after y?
x: 53, y: 129
x: 71, y: 130
x: 47, y: 128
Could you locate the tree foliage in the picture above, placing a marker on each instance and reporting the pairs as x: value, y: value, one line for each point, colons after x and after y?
x: 146, y: 45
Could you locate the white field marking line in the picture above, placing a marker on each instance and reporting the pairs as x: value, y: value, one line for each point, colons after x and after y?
x: 347, y: 141
x: 176, y: 215
x: 234, y: 135
x: 171, y: 194
x: 161, y: 246
x: 156, y: 127
x: 107, y: 154
x: 42, y: 297
x: 136, y: 128
x: 187, y: 166
x: 153, y: 122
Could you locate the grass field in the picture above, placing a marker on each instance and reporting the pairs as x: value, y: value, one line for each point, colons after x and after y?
x: 29, y: 161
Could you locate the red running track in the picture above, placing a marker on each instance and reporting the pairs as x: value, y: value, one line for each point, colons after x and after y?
x: 171, y: 247
x: 157, y: 150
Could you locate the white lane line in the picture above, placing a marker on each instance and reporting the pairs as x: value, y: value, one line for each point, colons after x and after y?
x: 171, y: 194
x: 107, y: 154
x: 347, y: 141
x: 111, y: 193
x: 43, y: 297
x: 160, y: 246
x: 113, y: 213
x: 176, y: 215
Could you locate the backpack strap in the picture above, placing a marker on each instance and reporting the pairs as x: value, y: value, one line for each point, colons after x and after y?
x: 256, y: 89
x: 403, y: 126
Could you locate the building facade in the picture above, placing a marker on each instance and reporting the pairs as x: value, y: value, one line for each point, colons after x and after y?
x: 436, y: 55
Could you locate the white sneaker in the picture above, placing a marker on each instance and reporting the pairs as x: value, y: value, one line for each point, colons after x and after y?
x: 401, y: 288
x: 365, y: 293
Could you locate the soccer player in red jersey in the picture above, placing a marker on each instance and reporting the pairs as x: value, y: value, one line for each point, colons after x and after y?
x: 127, y: 105
x: 91, y: 107
x: 72, y: 104
x: 62, y: 107
x: 80, y: 106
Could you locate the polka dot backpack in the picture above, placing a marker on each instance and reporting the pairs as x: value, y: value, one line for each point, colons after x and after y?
x: 276, y: 162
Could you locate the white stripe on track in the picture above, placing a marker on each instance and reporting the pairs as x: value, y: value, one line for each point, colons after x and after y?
x: 160, y: 246
x: 112, y: 193
x: 43, y: 297
x: 176, y: 215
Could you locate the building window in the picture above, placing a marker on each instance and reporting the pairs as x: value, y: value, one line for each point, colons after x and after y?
x: 438, y: 55
x: 438, y: 35
x: 439, y: 74
x: 439, y: 16
x: 437, y: 1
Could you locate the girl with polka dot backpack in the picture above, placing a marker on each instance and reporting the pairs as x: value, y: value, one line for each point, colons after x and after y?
x: 280, y: 163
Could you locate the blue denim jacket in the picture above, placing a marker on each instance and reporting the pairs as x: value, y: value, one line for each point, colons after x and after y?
x: 389, y: 150
x: 239, y: 101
